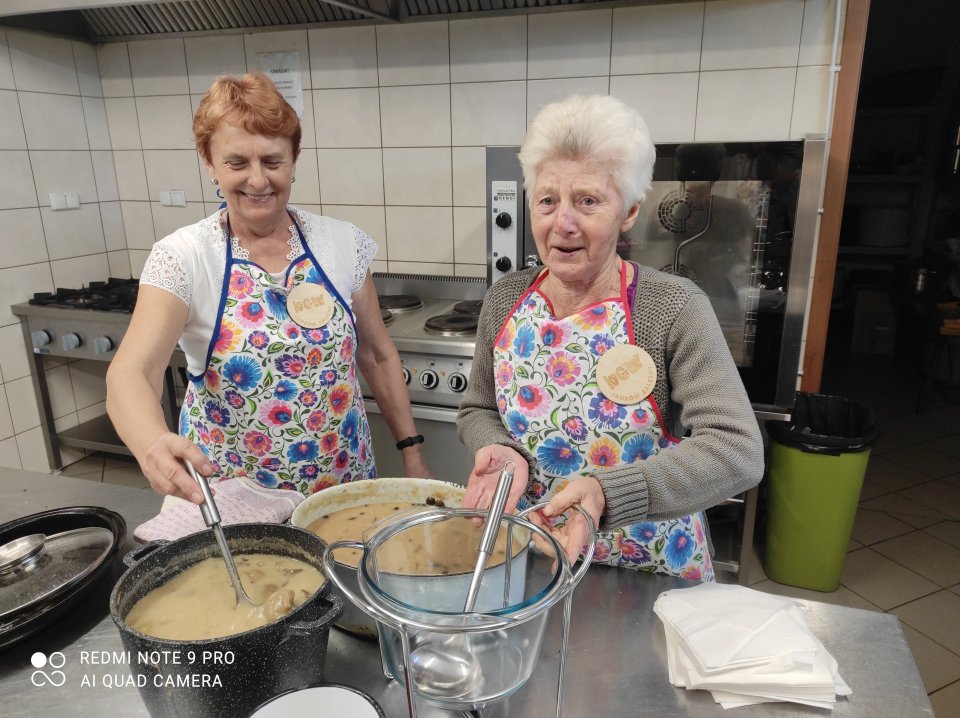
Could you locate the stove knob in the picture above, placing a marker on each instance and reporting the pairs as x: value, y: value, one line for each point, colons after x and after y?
x: 503, y: 264
x: 503, y: 220
x: 457, y: 382
x: 40, y: 338
x: 70, y: 341
x: 101, y: 345
x: 429, y: 379
x: 406, y: 379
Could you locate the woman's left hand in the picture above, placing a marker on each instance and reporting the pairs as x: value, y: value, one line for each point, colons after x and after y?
x: 414, y: 465
x: 574, y: 534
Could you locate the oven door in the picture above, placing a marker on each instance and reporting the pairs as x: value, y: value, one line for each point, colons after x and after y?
x: 445, y: 455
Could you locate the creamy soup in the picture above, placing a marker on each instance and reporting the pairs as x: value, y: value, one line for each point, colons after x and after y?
x: 200, y: 602
x: 435, y: 548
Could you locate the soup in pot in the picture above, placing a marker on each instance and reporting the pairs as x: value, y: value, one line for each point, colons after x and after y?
x: 200, y: 602
x: 433, y: 549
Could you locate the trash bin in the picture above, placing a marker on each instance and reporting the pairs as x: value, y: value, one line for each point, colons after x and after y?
x: 814, y: 474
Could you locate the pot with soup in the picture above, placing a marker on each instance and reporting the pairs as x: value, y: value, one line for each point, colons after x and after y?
x: 193, y: 650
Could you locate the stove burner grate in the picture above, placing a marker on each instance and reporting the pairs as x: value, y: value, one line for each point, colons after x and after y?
x: 452, y: 325
x: 469, y: 307
x: 400, y: 302
x: 386, y: 315
x: 117, y: 295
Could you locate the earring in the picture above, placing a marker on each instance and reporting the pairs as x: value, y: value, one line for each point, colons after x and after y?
x: 292, y: 180
x: 214, y: 180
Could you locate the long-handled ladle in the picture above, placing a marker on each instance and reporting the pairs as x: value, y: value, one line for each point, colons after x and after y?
x: 211, y: 517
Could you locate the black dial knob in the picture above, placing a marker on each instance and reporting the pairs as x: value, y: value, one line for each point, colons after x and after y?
x: 406, y: 375
x: 457, y: 382
x: 429, y: 379
x: 503, y: 264
x: 503, y: 220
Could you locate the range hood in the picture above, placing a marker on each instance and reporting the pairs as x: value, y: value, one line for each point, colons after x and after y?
x: 105, y: 21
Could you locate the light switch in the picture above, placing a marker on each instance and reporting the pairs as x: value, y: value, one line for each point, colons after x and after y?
x: 173, y: 198
x: 165, y: 200
x: 73, y: 200
x: 58, y: 201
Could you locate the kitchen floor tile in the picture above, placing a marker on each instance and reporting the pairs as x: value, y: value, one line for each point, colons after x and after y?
x: 925, y: 459
x: 935, y: 616
x: 841, y: 597
x: 942, y: 494
x: 938, y: 666
x: 927, y: 555
x: 871, y: 526
x: 884, y: 473
x: 883, y: 582
x: 88, y: 468
x: 956, y: 589
x: 949, y: 445
x: 946, y: 701
x: 904, y: 509
x: 871, y: 491
x: 124, y: 472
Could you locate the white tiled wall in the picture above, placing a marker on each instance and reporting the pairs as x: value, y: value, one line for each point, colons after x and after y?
x: 396, y: 118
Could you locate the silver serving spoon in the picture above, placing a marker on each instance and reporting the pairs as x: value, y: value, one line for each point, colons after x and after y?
x: 444, y: 666
x: 211, y: 518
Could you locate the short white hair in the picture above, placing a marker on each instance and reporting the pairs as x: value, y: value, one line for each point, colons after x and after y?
x: 595, y: 128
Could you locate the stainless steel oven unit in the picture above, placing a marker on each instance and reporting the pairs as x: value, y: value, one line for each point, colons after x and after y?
x: 437, y: 356
x: 739, y: 219
x: 74, y: 324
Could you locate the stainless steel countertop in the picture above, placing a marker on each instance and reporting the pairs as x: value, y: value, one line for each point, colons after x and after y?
x: 616, y: 665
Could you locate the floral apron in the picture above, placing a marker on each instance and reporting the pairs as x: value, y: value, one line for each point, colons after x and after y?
x: 549, y: 401
x: 278, y: 402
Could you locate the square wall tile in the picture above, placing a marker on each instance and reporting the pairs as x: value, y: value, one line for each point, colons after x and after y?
x: 308, y: 130
x: 18, y: 189
x: 670, y: 121
x: 415, y: 115
x: 105, y: 176
x: 138, y: 257
x: 816, y: 37
x: 73, y: 232
x: 488, y: 113
x: 172, y: 169
x: 343, y: 57
x: 158, y: 67
x: 379, y: 266
x: 470, y: 176
x: 166, y: 122
x: 741, y: 34
x: 112, y: 219
x: 749, y: 105
x: 63, y: 172
x: 43, y: 63
x: 810, y: 101
x: 114, y: 62
x: 62, y: 401
x: 15, y: 363
x: 131, y: 175
x: 122, y: 123
x: 138, y: 226
x: 21, y: 395
x: 306, y: 190
x: 414, y: 54
x: 371, y: 220
x: 347, y: 118
x: 419, y: 234
x: 434, y: 269
x: 470, y: 235
x: 260, y: 43
x: 167, y: 220
x: 656, y: 38
x: 88, y: 72
x: 21, y: 241
x: 419, y: 176
x: 17, y: 284
x: 569, y: 44
x: 119, y: 264
x: 6, y: 68
x: 11, y: 123
x: 95, y: 117
x: 10, y: 454
x: 33, y: 451
x: 543, y: 92
x: 488, y: 49
x: 80, y: 271
x: 470, y: 270
x: 53, y: 122
x: 6, y: 422
x: 351, y: 176
x: 210, y: 57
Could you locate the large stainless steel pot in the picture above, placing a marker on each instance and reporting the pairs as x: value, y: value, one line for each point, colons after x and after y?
x: 227, y: 676
x: 372, y: 491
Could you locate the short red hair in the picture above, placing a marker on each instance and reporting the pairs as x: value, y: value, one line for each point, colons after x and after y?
x: 251, y: 101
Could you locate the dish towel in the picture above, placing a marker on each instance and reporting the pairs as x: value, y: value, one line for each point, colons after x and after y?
x: 745, y: 647
x: 239, y: 501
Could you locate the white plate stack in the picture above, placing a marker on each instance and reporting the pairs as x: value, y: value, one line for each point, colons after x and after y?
x: 745, y: 647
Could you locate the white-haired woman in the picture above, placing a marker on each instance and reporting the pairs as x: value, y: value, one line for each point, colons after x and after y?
x: 608, y: 383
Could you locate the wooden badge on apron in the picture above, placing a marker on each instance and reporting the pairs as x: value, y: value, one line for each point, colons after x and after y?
x: 310, y: 305
x: 626, y: 374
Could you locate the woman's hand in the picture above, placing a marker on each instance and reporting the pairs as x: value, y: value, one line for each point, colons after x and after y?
x: 574, y: 534
x: 164, y: 469
x: 487, y: 466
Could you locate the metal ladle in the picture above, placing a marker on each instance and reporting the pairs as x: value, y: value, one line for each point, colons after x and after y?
x: 211, y: 517
x: 446, y: 667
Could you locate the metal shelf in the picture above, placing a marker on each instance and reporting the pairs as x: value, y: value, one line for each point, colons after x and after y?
x: 96, y: 435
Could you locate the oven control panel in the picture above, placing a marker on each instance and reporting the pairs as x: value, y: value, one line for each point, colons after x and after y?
x: 87, y: 337
x: 432, y: 379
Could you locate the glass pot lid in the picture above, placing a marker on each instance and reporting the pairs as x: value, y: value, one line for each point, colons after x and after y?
x: 36, y: 567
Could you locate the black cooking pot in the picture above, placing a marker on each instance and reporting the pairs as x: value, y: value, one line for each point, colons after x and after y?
x: 227, y: 676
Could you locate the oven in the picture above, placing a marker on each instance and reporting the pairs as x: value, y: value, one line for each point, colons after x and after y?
x: 432, y: 321
x: 739, y: 219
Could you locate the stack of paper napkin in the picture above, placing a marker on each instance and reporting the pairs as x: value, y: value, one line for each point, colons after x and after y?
x: 745, y: 647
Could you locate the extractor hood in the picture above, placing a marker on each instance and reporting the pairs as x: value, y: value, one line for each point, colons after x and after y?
x: 106, y: 20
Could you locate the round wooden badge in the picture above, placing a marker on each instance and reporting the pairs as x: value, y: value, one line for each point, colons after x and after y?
x: 310, y: 305
x: 626, y: 374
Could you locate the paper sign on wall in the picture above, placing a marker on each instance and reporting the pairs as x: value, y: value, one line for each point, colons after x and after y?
x: 284, y: 69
